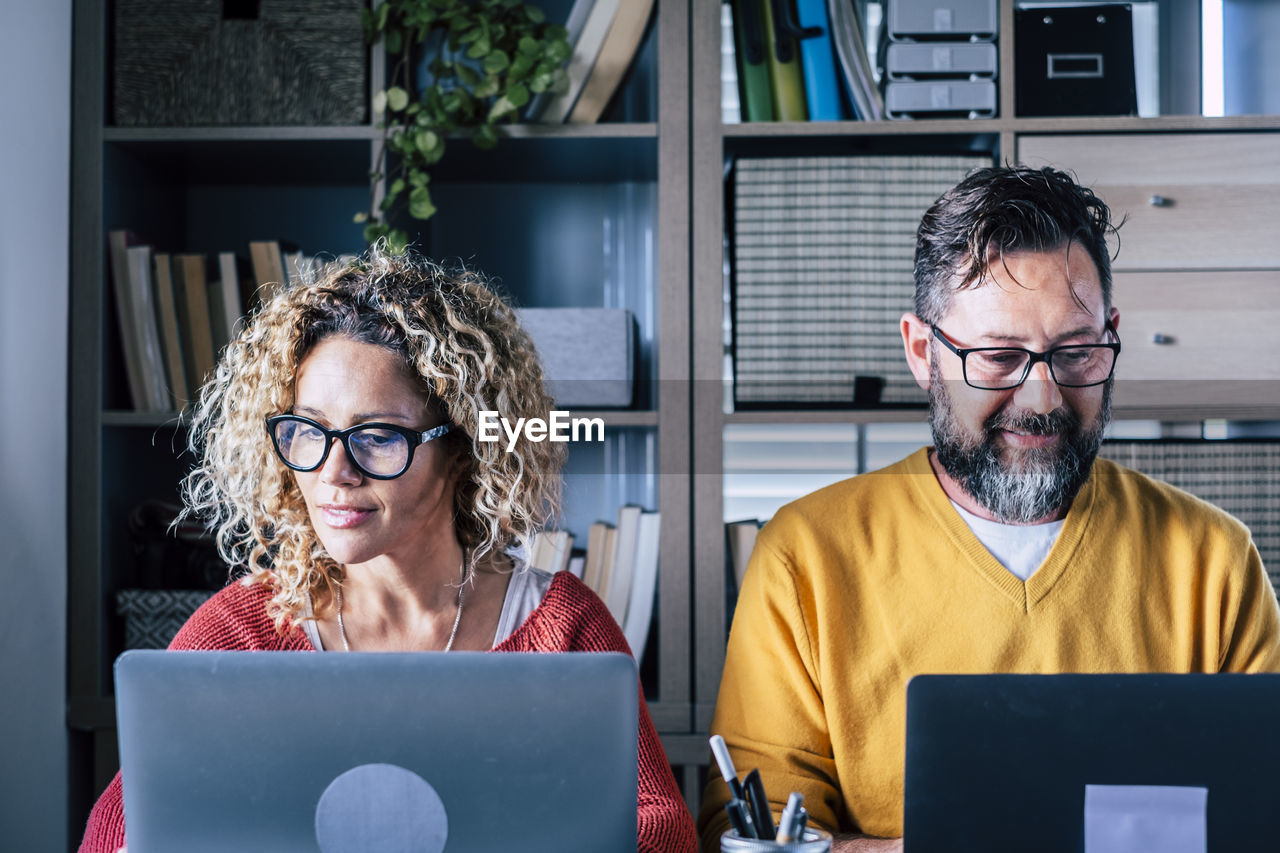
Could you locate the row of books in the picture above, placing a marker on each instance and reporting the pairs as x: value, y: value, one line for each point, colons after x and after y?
x: 620, y: 564
x: 175, y: 317
x: 799, y: 60
x: 605, y: 35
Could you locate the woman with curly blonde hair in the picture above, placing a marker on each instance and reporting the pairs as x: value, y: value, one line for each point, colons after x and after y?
x: 342, y: 474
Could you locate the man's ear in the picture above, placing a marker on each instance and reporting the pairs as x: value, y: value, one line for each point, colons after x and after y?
x: 916, y: 340
x: 1115, y: 319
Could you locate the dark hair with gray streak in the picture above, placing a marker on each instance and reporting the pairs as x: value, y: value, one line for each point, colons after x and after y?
x: 1004, y: 209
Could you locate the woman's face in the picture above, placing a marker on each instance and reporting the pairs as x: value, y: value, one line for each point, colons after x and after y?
x: 342, y: 383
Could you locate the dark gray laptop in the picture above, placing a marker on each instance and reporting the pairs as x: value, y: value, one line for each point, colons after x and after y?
x: 1001, y: 762
x: 373, y: 753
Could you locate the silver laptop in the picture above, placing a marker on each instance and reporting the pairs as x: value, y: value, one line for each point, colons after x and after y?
x: 374, y: 753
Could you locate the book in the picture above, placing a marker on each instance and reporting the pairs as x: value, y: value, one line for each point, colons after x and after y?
x: 607, y: 556
x: 644, y: 583
x: 586, y: 49
x: 818, y: 64
x: 595, y: 554
x: 268, y: 268
x: 730, y: 103
x: 147, y: 328
x: 740, y: 537
x: 577, y: 562
x: 617, y: 591
x: 194, y: 310
x: 785, y: 77
x: 755, y: 92
x: 136, y: 316
x: 229, y: 285
x: 170, y: 330
x: 848, y: 36
x: 616, y: 55
x: 561, y: 550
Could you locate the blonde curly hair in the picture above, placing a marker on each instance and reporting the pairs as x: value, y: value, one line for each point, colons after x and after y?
x: 458, y: 336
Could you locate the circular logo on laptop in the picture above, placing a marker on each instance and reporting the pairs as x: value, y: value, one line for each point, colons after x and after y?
x: 381, y: 808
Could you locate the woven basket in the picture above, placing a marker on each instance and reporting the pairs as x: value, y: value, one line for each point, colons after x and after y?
x: 153, y: 616
x: 210, y: 62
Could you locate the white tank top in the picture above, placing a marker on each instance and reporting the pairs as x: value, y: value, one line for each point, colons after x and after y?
x: 525, y: 592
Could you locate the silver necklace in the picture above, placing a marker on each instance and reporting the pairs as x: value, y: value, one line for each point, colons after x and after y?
x: 462, y: 592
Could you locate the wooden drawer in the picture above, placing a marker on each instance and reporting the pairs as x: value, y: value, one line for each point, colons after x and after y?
x: 1198, y: 339
x: 1189, y: 201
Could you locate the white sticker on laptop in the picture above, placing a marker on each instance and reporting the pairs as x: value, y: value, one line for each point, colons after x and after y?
x: 381, y: 808
x: 1142, y: 818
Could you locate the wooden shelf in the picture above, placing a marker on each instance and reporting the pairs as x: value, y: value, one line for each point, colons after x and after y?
x: 613, y: 418
x: 828, y: 416
x: 932, y: 127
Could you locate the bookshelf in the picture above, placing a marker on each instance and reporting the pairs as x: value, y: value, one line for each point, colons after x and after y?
x: 1006, y: 136
x: 209, y: 189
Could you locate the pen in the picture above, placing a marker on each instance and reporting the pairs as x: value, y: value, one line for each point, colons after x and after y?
x: 740, y: 817
x: 787, y: 824
x: 759, y: 802
x: 721, y: 751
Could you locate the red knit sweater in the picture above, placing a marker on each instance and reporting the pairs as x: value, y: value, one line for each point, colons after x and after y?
x: 571, y: 618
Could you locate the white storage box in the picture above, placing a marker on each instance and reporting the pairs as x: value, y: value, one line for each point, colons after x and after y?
x: 586, y: 353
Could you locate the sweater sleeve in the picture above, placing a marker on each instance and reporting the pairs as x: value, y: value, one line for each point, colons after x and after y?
x: 234, y: 619
x: 663, y: 822
x: 1251, y: 641
x: 770, y: 709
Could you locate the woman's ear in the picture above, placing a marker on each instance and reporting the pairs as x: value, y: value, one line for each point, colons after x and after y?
x: 916, y: 339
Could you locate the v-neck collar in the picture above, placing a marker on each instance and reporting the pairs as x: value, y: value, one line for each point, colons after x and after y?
x: 1027, y: 594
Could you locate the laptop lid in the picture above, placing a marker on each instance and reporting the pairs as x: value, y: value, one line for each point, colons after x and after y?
x: 287, y: 751
x: 1000, y: 762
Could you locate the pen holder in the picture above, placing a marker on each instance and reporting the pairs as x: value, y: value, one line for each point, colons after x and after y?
x: 813, y: 841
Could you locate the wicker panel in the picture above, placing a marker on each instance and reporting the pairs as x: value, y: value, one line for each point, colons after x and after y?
x: 153, y: 616
x: 1241, y: 477
x: 823, y: 250
x: 182, y: 63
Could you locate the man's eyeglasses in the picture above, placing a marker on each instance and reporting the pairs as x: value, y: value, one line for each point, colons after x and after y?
x: 1002, y: 368
x: 380, y: 451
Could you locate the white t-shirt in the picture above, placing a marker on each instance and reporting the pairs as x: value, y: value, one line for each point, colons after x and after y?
x: 1020, y: 548
x: 525, y: 592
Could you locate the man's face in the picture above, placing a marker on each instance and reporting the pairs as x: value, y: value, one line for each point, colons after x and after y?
x: 1021, y: 453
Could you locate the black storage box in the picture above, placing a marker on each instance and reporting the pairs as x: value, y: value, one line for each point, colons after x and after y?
x: 253, y: 62
x: 1075, y: 61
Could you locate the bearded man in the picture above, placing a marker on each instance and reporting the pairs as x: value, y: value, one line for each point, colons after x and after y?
x: 1006, y: 547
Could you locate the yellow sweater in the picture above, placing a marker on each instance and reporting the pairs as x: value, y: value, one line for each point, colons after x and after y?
x: 856, y: 588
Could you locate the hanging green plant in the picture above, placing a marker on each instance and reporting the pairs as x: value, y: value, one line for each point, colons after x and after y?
x: 477, y: 63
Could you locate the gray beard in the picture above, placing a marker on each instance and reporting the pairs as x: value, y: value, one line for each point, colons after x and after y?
x: 1031, y: 484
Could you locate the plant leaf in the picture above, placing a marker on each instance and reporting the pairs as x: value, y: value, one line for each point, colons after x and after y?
x: 500, y: 108
x: 518, y: 95
x: 397, y: 98
x: 380, y: 102
x: 420, y: 206
x: 361, y: 217
x: 395, y: 41
x: 496, y: 61
x: 485, y: 136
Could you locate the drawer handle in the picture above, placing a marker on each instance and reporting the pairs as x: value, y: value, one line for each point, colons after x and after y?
x: 1161, y: 201
x: 1163, y: 340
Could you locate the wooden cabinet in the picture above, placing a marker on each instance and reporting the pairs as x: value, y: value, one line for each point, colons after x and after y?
x: 1196, y: 264
x: 1186, y: 200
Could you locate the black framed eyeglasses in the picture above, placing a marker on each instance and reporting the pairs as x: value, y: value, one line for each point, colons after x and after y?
x: 1002, y: 368
x: 381, y: 451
